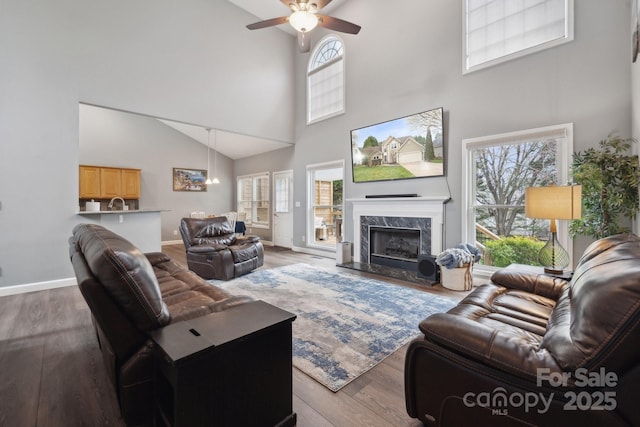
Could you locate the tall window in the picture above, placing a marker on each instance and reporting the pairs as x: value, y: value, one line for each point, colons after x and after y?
x: 253, y: 199
x: 498, y: 169
x: 325, y: 80
x: 325, y: 186
x: 499, y: 30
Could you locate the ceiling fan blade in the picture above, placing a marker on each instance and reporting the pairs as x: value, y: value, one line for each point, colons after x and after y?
x: 304, y: 42
x: 337, y: 24
x: 268, y: 23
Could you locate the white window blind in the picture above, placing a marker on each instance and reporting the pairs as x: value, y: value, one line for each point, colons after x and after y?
x: 498, y: 30
x: 325, y: 81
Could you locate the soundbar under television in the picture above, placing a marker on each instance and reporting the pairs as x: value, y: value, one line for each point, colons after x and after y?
x: 404, y: 148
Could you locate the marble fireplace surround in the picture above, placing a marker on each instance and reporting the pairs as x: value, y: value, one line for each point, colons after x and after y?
x: 405, y: 209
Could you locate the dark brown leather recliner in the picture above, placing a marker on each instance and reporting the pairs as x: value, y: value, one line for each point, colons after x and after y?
x: 531, y: 349
x: 215, y: 252
x: 129, y: 294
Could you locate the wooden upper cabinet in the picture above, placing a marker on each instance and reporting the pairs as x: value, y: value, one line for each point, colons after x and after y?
x: 104, y: 183
x: 89, y: 182
x: 110, y: 182
x: 130, y: 183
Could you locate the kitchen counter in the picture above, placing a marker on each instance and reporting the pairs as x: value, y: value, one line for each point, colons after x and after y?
x: 142, y: 227
x: 131, y: 211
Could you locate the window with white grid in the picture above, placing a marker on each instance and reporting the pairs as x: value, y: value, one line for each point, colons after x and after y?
x: 253, y: 199
x: 325, y: 80
x: 500, y: 30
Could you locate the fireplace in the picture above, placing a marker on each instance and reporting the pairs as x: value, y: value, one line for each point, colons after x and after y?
x: 394, y: 231
x: 394, y: 246
x: 394, y: 241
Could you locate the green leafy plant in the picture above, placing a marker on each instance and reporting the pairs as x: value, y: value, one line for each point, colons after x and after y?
x: 513, y: 249
x: 609, y: 177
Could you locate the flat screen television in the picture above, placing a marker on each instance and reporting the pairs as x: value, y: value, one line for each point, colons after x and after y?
x: 404, y: 148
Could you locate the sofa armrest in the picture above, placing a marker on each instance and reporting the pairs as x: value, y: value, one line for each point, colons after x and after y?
x: 530, y: 281
x: 247, y: 239
x: 204, y: 249
x: 156, y: 258
x: 514, y: 354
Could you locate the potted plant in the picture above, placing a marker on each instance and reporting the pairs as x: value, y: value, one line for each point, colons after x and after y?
x: 458, y: 264
x: 609, y: 177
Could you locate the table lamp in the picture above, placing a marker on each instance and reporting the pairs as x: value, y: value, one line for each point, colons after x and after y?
x: 552, y: 203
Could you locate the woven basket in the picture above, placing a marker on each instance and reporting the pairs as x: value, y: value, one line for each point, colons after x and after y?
x: 457, y: 279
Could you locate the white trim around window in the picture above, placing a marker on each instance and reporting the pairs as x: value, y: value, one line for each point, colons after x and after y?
x: 508, y: 30
x: 563, y: 134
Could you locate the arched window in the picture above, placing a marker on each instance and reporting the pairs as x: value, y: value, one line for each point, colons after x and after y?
x: 325, y: 80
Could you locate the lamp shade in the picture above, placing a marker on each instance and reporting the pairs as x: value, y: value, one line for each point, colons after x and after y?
x: 553, y: 202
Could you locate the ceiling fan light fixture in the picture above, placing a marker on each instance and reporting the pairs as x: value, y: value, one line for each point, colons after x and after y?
x: 303, y: 21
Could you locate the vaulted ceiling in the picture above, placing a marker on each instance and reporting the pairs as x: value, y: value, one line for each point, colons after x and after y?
x: 234, y: 145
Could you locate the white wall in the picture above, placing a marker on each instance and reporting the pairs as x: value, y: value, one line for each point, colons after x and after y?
x: 409, y: 59
x: 192, y: 61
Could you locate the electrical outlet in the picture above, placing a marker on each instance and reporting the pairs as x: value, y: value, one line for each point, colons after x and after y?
x: 303, y: 238
x: 175, y: 232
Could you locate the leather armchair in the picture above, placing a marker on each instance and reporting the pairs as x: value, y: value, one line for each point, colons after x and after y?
x: 531, y: 349
x: 215, y: 252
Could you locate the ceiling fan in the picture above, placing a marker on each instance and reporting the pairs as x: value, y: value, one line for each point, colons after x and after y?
x: 304, y: 18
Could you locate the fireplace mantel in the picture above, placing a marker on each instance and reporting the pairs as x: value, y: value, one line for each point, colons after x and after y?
x: 416, y: 207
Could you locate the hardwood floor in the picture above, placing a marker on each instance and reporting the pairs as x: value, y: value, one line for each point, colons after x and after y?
x: 52, y: 373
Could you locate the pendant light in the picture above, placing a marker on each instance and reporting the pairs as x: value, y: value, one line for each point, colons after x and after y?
x: 208, y: 181
x: 215, y: 159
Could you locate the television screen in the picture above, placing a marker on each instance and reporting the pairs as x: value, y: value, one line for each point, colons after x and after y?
x: 404, y: 148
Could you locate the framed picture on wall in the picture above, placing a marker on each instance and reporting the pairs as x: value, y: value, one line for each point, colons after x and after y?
x: 187, y: 179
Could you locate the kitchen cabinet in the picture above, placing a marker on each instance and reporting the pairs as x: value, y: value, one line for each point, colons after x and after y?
x: 98, y: 182
x: 89, y: 182
x: 110, y: 182
x: 130, y: 183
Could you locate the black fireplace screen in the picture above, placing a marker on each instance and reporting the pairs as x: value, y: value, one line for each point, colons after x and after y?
x: 395, y: 243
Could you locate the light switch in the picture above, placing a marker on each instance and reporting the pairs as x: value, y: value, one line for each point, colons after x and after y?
x: 297, y: 204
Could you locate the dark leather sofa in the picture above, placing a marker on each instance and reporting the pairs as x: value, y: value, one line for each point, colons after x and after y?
x: 130, y: 294
x: 531, y: 349
x: 215, y: 252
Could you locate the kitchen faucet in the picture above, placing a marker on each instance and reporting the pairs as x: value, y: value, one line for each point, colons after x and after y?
x: 110, y: 206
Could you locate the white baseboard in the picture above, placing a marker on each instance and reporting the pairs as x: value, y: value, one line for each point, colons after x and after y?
x: 171, y: 242
x: 318, y: 252
x: 39, y: 286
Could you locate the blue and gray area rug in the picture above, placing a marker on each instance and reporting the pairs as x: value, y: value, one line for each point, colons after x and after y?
x: 346, y: 324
